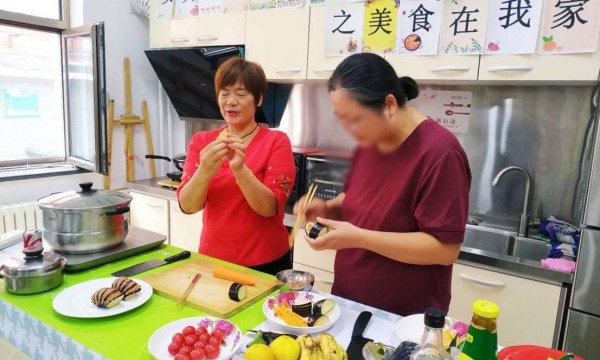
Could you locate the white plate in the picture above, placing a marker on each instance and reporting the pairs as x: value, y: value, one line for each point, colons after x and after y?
x: 410, y: 328
x: 334, y: 315
x: 161, y: 338
x: 75, y: 301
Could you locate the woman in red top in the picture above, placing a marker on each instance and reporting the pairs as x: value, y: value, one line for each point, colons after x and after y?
x: 399, y: 224
x: 240, y: 176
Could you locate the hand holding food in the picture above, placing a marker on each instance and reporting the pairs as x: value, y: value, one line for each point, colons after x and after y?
x: 236, y: 153
x: 316, y: 208
x: 339, y: 235
x: 212, y: 156
x: 314, y: 230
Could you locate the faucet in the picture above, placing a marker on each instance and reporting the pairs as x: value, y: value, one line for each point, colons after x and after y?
x: 524, y: 220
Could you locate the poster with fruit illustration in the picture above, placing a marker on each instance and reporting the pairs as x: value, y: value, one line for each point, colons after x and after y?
x: 464, y: 27
x: 451, y: 109
x: 210, y: 7
x: 419, y: 27
x: 164, y: 9
x: 379, y: 26
x: 569, y: 27
x: 185, y: 8
x: 513, y: 26
x: 343, y: 28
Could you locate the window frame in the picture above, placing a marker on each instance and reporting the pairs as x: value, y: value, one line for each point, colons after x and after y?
x: 35, y: 21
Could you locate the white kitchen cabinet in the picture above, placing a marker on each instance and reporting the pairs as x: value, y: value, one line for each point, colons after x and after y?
x: 319, y: 65
x: 278, y: 40
x: 528, y: 308
x: 305, y: 255
x: 184, y: 229
x: 150, y: 213
x: 221, y: 29
x: 435, y: 67
x: 323, y: 279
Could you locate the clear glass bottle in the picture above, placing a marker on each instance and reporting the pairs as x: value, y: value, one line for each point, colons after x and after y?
x: 432, y: 347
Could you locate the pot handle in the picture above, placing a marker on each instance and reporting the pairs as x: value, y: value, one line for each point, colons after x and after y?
x: 86, y: 187
x: 118, y: 211
x: 157, y: 157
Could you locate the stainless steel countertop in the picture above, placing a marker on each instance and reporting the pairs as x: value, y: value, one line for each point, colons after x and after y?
x: 510, y: 265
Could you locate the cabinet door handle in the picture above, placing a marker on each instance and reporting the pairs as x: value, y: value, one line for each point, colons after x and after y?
x: 449, y: 68
x: 510, y: 68
x: 207, y: 38
x: 492, y: 284
x: 328, y: 282
x: 289, y: 70
x: 154, y: 206
x: 180, y: 39
x: 322, y: 70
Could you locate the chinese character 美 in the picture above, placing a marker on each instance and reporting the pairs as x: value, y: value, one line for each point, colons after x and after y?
x: 346, y: 18
x: 465, y: 22
x: 567, y: 16
x: 381, y: 19
x: 515, y: 12
x: 421, y: 18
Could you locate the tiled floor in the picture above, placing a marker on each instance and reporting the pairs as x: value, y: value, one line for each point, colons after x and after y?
x: 9, y: 352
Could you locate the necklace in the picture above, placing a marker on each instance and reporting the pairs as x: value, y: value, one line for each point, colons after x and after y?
x: 248, y: 134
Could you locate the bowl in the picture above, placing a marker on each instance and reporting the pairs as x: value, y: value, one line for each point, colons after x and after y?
x: 296, y: 279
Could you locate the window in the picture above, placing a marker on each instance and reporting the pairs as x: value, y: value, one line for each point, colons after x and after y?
x: 52, y: 88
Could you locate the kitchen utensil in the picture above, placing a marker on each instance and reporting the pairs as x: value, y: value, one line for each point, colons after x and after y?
x: 171, y: 184
x: 189, y: 288
x: 210, y: 295
x: 151, y: 264
x: 85, y: 221
x: 410, y: 328
x: 34, y: 273
x: 159, y: 341
x: 299, y: 296
x: 450, y: 113
x: 532, y: 352
x: 178, y: 160
x: 75, y: 301
x: 358, y: 341
x: 302, y: 214
x: 175, y: 175
x: 137, y: 241
x: 296, y: 279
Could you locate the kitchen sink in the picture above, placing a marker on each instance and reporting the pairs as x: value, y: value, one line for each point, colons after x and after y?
x: 504, y: 242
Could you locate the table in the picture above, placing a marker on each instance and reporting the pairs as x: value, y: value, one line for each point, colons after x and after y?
x: 31, y: 324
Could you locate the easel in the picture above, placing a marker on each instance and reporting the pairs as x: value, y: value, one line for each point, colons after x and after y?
x: 128, y: 121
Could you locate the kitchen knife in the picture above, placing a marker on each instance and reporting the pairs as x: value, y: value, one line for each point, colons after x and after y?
x: 355, y: 349
x: 151, y: 264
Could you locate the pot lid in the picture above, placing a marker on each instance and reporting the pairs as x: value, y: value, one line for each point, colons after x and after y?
x: 84, y: 199
x: 39, y: 264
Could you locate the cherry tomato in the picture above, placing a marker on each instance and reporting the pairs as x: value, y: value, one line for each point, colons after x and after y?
x: 204, y: 337
x: 216, y: 341
x: 190, y: 340
x: 198, y: 354
x: 178, y: 338
x: 200, y: 344
x: 189, y: 330
x: 201, y: 330
x: 212, y: 352
x: 174, y: 348
x: 218, y: 333
x: 185, y: 350
x: 182, y: 357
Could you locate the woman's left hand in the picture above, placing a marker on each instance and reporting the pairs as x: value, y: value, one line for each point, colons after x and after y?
x: 237, y: 152
x: 341, y: 235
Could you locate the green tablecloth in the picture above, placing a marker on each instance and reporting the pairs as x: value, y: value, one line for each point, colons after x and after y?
x: 123, y: 336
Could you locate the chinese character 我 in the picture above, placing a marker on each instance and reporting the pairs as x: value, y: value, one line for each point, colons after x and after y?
x: 464, y: 22
x: 515, y: 12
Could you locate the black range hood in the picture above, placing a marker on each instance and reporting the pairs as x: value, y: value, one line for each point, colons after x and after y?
x: 188, y: 74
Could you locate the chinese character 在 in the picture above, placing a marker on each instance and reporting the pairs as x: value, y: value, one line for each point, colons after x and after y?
x: 381, y: 20
x: 339, y: 28
x: 421, y: 18
x: 464, y: 22
x: 515, y: 11
x: 569, y: 13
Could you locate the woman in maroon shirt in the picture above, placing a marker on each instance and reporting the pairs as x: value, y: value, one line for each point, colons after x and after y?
x: 399, y: 224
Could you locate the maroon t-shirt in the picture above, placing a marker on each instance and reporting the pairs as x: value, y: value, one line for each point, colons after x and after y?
x: 423, y: 186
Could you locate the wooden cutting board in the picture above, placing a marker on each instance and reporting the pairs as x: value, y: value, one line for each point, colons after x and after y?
x: 169, y: 183
x: 210, y: 294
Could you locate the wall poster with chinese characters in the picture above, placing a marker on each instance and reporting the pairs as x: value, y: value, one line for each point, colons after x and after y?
x: 317, y: 2
x: 464, y: 27
x: 186, y: 8
x: 343, y: 28
x: 569, y: 26
x: 451, y: 109
x: 164, y: 9
x: 419, y: 26
x: 513, y: 26
x: 379, y: 26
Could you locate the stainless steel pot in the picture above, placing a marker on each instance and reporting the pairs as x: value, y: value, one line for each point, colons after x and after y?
x: 85, y: 221
x: 34, y: 273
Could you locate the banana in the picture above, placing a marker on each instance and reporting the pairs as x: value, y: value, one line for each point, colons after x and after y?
x: 342, y: 355
x: 317, y: 354
x: 307, y: 347
x: 330, y: 348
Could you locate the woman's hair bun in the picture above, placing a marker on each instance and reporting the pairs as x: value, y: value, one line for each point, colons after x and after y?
x: 409, y: 86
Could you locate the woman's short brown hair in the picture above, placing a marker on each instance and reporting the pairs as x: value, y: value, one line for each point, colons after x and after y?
x: 249, y: 73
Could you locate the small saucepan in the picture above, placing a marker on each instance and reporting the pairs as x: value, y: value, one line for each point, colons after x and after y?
x: 178, y: 160
x: 34, y: 273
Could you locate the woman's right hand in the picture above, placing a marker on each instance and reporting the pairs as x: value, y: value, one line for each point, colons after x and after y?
x: 211, y: 158
x: 317, y: 208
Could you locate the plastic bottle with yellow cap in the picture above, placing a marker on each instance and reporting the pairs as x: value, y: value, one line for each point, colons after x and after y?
x: 482, y: 339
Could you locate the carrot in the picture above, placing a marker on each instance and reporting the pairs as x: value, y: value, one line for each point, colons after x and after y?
x: 225, y: 273
x: 283, y: 311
